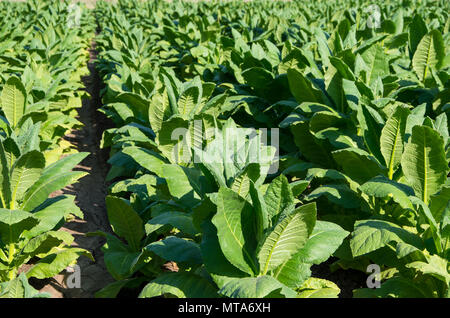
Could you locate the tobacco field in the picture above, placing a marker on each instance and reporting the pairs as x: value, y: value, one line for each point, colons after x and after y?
x: 236, y: 149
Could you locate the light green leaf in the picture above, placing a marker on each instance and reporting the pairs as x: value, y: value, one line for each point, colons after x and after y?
x: 287, y: 237
x: 235, y: 227
x: 423, y: 162
x: 13, y: 100
x: 391, y: 141
x: 429, y: 54
x: 181, y: 285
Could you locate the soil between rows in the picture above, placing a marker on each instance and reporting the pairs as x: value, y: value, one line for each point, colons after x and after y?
x: 90, y: 194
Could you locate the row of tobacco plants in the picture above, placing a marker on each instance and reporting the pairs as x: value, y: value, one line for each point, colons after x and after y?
x: 43, y: 55
x: 354, y: 103
x: 359, y: 101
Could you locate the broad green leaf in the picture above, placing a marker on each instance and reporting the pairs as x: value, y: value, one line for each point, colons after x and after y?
x: 148, y: 159
x: 377, y: 61
x: 302, y: 88
x: 435, y: 266
x: 423, y: 162
x: 391, y: 141
x: 381, y: 187
x: 278, y: 199
x: 440, y: 203
x: 159, y: 110
x: 188, y: 101
x: 13, y: 100
x: 125, y: 221
x: 181, y: 285
x: 322, y: 243
x: 20, y: 288
x: 53, y: 264
x: 256, y: 287
x: 339, y: 194
x: 120, y: 259
x: 235, y: 227
x: 180, y: 220
x: 257, y: 77
x: 288, y: 236
x: 357, y: 164
x: 429, y: 54
x: 371, y: 235
x: 318, y: 288
x: 46, y: 185
x: 52, y: 214
x: 176, y: 249
x: 25, y: 172
x: 417, y: 30
x: 13, y: 223
x: 397, y: 287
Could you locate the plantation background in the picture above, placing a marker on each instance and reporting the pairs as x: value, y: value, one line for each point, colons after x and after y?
x: 353, y: 97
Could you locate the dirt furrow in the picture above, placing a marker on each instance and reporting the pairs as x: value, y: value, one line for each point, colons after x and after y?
x: 90, y: 194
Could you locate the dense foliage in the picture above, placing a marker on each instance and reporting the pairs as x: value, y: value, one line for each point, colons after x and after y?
x: 362, y: 112
x: 42, y: 61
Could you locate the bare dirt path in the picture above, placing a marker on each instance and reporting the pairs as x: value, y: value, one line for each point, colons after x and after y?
x: 90, y: 194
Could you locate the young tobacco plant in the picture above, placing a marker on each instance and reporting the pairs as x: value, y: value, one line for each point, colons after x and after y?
x: 258, y: 246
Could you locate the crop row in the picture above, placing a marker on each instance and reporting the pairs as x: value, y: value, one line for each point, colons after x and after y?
x: 355, y: 105
x: 43, y: 55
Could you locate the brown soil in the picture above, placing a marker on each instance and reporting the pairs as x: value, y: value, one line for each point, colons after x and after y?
x: 90, y: 194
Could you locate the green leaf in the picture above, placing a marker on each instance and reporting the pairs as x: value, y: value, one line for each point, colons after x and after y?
x: 397, y: 287
x: 148, y: 159
x: 13, y: 223
x: 235, y: 227
x: 371, y: 235
x: 51, y: 215
x: 125, y: 221
x: 278, y: 199
x: 309, y: 146
x: 287, y: 237
x: 180, y: 185
x: 429, y: 54
x: 176, y: 249
x: 20, y: 288
x: 423, y: 162
x: 391, y: 141
x: 293, y: 272
x: 377, y: 62
x: 417, y: 30
x: 381, y: 187
x: 440, y: 203
x: 256, y: 287
x: 302, y: 89
x: 357, y: 164
x: 55, y: 263
x: 46, y: 185
x: 5, y: 184
x: 159, y: 110
x: 257, y: 77
x: 25, y: 172
x: 372, y: 124
x: 181, y: 285
x: 13, y: 100
x: 120, y: 259
x: 322, y: 243
x: 188, y: 101
x: 339, y: 194
x: 180, y: 220
x: 318, y: 288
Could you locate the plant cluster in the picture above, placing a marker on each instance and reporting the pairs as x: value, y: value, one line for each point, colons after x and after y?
x: 362, y: 112
x: 42, y: 62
